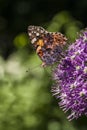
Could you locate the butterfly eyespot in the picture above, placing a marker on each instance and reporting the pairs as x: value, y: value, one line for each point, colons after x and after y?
x: 47, y: 44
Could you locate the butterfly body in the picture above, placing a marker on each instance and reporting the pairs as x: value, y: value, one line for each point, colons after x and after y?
x: 48, y: 45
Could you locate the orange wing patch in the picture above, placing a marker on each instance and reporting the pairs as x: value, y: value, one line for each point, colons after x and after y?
x: 59, y: 39
x: 40, y: 42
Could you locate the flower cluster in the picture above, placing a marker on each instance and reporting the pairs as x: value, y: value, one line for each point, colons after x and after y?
x: 70, y: 78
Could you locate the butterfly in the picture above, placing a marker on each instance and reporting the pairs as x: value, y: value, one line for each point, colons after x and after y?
x: 48, y: 45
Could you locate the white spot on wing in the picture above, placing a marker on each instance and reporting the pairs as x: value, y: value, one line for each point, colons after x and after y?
x: 41, y: 31
x: 33, y: 40
x: 37, y: 34
x: 29, y: 34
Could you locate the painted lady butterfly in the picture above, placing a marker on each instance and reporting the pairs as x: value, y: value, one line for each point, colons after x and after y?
x: 48, y: 45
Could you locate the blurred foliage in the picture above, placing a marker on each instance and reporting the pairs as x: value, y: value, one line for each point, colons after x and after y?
x: 26, y: 101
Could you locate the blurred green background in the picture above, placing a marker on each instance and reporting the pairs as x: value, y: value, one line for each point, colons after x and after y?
x: 26, y: 101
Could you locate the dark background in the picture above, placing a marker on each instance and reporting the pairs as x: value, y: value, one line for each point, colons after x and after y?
x: 15, y: 16
x: 26, y: 101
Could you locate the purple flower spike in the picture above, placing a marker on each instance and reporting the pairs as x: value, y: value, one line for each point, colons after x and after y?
x: 70, y: 78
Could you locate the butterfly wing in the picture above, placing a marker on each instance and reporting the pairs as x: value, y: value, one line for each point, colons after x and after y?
x: 48, y: 45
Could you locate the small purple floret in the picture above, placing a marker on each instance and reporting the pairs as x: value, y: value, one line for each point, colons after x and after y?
x: 70, y: 78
